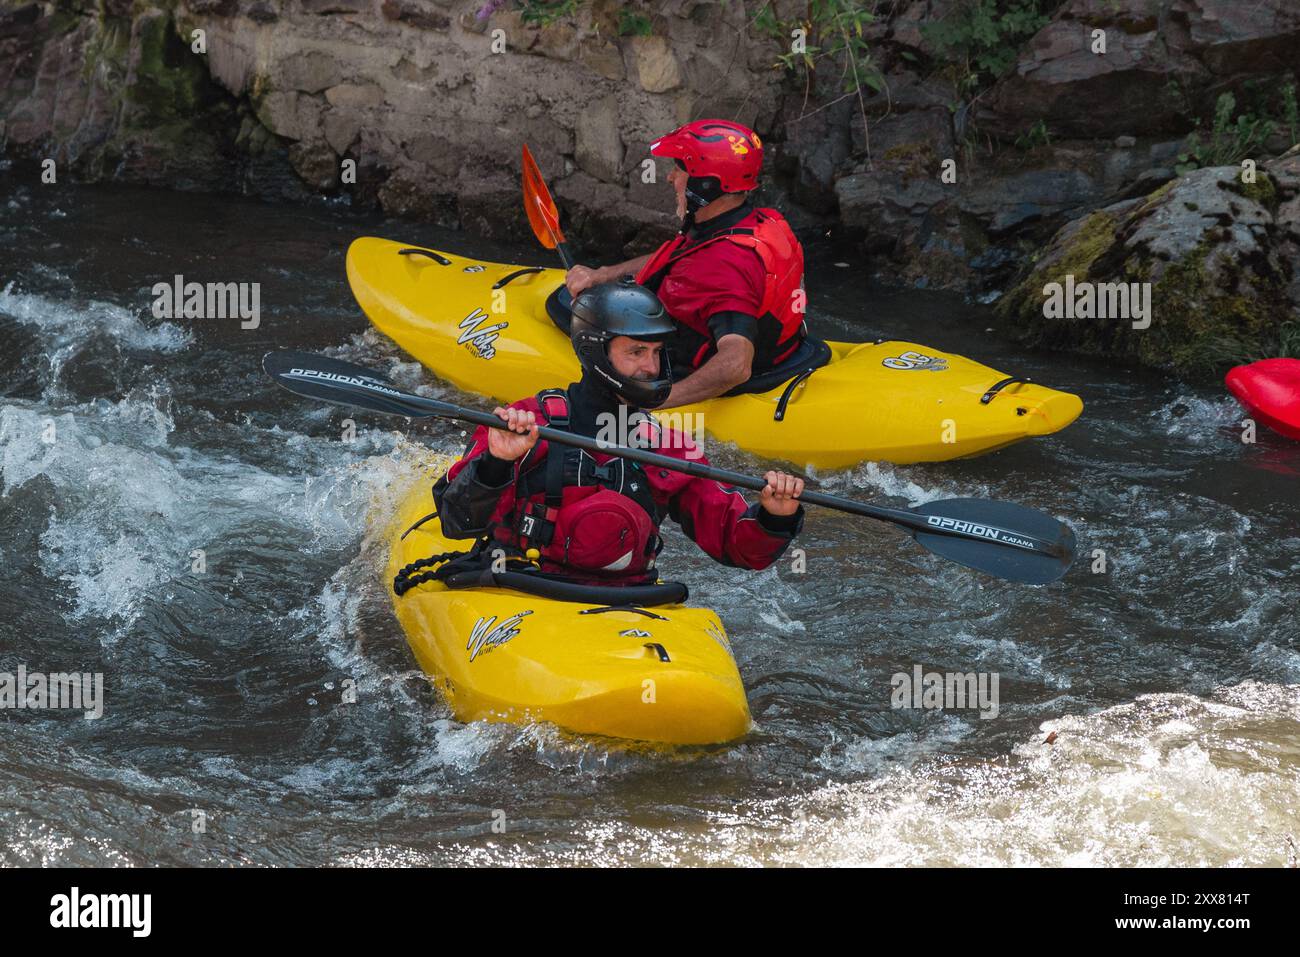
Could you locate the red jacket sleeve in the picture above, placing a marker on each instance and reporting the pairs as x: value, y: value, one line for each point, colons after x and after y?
x: 466, y: 500
x: 718, y: 518
x: 478, y: 442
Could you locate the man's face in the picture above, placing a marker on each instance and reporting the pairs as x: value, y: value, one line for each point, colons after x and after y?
x: 677, y: 179
x: 634, y: 358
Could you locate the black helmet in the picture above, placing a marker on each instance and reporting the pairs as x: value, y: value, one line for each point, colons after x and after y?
x: 621, y: 308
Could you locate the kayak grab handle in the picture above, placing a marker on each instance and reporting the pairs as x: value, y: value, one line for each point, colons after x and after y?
x: 516, y: 274
x: 413, y: 251
x: 800, y: 379
x: 639, y: 611
x: 997, y: 387
x: 417, y: 525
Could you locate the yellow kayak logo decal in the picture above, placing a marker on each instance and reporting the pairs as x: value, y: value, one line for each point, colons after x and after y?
x: 915, y: 360
x: 487, y: 634
x: 476, y: 338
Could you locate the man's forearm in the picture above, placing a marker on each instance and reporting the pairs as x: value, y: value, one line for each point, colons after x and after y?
x: 632, y: 266
x: 720, y: 374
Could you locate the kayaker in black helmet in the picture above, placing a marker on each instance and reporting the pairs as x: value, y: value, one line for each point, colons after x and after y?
x: 733, y: 276
x: 596, y: 518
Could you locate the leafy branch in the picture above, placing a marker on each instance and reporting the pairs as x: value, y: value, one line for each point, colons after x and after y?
x: 982, y: 38
x: 1232, y: 140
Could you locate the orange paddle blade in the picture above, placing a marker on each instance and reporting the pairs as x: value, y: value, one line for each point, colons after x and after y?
x: 538, y: 204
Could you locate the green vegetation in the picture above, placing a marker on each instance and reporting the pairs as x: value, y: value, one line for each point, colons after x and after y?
x: 1233, y: 139
x: 831, y: 37
x: 1290, y: 115
x: 983, y: 38
x: 1037, y: 135
x: 1288, y: 338
x: 545, y: 12
x: 633, y: 23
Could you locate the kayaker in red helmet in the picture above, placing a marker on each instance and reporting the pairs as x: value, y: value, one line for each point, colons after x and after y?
x: 732, y: 278
x: 596, y: 518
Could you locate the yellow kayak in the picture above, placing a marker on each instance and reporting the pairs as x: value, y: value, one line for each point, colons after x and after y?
x: 663, y: 674
x: 486, y: 328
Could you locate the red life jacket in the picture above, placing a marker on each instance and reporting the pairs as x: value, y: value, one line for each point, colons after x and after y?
x: 767, y: 233
x: 581, y: 514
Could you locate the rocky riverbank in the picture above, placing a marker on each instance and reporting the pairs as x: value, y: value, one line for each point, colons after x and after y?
x: 979, y: 145
x: 1221, y: 258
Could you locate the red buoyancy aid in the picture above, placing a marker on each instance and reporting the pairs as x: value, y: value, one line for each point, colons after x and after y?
x: 714, y: 516
x: 581, y: 514
x: 767, y: 233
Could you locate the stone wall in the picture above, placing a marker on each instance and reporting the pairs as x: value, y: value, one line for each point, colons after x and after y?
x: 412, y: 91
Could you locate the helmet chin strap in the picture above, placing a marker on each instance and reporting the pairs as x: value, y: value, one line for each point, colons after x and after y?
x: 694, y: 203
x: 597, y: 384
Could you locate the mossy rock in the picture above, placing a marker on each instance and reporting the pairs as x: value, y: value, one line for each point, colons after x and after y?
x: 916, y: 159
x: 62, y: 22
x: 1217, y: 329
x: 1261, y: 191
x: 107, y: 51
x: 1077, y: 246
x: 171, y: 85
x: 1218, y: 304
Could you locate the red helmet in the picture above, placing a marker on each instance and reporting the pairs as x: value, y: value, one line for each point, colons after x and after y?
x: 719, y: 149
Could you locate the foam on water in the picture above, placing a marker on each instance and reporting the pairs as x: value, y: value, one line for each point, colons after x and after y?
x: 1165, y: 780
x: 1198, y: 420
x: 127, y: 509
x: 891, y: 480
x: 900, y: 750
x: 1168, y: 779
x: 65, y: 323
x: 1003, y: 652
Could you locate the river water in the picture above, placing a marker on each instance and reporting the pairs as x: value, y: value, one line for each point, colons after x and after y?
x: 128, y: 444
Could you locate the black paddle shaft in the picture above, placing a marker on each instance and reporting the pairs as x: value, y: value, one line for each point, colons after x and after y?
x: 929, y: 524
x: 702, y: 470
x: 1028, y: 546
